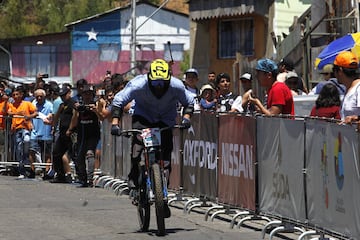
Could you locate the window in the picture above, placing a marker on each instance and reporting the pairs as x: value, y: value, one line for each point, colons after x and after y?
x: 236, y: 36
x: 40, y: 59
x: 109, y: 52
x: 177, y: 51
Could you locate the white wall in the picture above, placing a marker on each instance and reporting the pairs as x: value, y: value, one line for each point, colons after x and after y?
x: 164, y: 26
x: 285, y: 10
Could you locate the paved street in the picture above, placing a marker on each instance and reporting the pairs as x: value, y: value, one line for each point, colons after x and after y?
x: 34, y: 209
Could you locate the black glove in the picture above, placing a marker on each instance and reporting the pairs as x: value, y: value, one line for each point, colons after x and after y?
x: 185, y: 123
x: 115, y: 130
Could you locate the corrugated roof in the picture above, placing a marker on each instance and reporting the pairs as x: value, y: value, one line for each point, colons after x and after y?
x: 205, y: 9
x: 221, y: 12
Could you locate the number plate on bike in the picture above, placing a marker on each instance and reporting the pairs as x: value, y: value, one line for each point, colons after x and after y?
x: 151, y: 137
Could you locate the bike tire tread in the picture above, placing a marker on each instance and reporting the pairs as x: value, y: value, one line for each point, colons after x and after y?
x: 159, y: 199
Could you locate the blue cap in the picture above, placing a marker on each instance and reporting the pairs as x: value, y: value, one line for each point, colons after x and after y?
x: 7, y: 91
x: 266, y: 65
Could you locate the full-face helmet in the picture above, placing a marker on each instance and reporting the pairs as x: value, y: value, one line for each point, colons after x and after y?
x: 159, y: 77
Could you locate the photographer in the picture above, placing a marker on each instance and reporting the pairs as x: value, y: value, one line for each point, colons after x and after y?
x: 86, y: 121
x: 103, y: 103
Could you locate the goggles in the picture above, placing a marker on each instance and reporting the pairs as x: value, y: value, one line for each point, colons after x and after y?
x: 157, y: 83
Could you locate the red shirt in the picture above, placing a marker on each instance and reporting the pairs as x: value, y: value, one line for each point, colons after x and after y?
x: 328, y: 112
x: 280, y: 94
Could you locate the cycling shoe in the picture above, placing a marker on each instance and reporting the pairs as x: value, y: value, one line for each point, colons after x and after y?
x: 167, y: 212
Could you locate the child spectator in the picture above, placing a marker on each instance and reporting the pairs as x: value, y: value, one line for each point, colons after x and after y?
x: 228, y: 101
x: 328, y: 103
x: 207, y: 98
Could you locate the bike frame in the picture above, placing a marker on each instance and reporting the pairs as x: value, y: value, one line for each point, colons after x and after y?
x: 152, y: 154
x: 153, y: 185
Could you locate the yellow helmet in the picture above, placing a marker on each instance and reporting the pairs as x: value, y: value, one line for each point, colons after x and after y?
x: 159, y: 70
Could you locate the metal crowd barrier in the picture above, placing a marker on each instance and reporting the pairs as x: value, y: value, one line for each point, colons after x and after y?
x: 297, y: 174
x: 7, y: 151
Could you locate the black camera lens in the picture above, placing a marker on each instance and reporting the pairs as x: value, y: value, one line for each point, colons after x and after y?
x: 81, y: 108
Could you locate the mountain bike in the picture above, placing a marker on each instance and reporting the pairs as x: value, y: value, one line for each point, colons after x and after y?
x: 152, y: 179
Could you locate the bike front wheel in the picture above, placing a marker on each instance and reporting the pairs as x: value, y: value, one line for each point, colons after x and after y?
x: 143, y: 210
x: 159, y: 198
x: 143, y: 207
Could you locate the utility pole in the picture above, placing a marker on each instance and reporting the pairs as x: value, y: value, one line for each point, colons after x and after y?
x: 356, y: 8
x: 133, y: 37
x: 134, y: 30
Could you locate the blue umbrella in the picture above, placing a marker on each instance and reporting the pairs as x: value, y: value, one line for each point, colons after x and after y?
x: 350, y: 42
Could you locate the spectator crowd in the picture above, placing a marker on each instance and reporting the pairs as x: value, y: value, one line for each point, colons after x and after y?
x: 51, y: 128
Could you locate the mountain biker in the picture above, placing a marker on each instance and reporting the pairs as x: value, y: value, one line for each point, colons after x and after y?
x: 156, y: 96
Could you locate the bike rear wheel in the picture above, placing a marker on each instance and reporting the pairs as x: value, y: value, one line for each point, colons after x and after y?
x: 159, y: 198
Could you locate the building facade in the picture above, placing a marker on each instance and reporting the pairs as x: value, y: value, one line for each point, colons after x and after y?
x: 221, y: 30
x: 104, y: 42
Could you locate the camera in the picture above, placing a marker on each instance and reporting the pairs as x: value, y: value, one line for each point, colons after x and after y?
x: 101, y: 92
x: 83, y: 107
x: 44, y: 75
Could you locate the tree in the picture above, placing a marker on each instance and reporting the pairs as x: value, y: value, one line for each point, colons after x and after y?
x: 185, y: 64
x: 27, y: 18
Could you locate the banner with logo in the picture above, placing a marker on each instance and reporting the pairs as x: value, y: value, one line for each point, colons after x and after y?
x: 237, y: 158
x: 333, y: 177
x: 175, y: 176
x: 280, y: 148
x: 200, y: 155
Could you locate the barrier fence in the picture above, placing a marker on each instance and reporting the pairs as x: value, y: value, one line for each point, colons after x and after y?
x: 9, y: 148
x: 303, y: 171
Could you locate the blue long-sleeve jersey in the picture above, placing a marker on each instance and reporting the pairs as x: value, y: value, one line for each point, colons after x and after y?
x: 150, y: 107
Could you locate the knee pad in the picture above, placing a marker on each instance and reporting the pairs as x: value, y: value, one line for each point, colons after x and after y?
x: 136, y: 151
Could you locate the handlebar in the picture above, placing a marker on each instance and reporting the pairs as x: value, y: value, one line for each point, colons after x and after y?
x: 127, y: 133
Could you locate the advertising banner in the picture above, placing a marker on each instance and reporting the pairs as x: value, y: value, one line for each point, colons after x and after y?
x: 176, y: 163
x: 200, y: 155
x: 333, y: 177
x: 280, y: 148
x: 237, y: 158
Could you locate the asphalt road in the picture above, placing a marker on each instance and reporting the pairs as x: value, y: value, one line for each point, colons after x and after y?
x: 36, y: 209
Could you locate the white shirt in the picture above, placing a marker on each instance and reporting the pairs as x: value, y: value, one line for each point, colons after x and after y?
x: 237, y: 104
x: 351, y: 102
